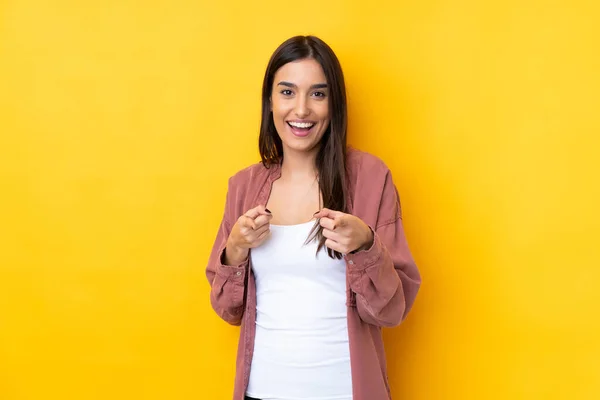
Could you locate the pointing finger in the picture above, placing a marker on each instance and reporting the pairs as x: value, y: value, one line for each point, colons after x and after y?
x: 327, y: 213
x: 263, y: 220
x: 256, y: 211
x: 327, y: 223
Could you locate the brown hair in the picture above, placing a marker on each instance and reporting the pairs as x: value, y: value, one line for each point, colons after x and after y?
x: 331, y: 158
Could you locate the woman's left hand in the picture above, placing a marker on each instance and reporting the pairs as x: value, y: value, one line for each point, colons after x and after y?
x: 345, y: 233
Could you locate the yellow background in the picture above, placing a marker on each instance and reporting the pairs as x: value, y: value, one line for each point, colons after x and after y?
x: 120, y: 122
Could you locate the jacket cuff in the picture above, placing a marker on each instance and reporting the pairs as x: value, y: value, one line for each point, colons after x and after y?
x: 234, y: 272
x: 365, y: 258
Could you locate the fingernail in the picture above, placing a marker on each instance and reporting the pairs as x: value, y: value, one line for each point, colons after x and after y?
x: 267, y: 210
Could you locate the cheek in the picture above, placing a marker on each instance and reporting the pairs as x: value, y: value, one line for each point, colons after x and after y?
x: 279, y: 112
x: 323, y: 111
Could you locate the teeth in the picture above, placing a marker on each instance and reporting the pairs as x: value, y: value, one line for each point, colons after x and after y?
x: 301, y: 124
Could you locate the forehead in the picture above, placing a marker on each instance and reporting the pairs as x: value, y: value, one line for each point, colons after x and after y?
x: 304, y: 72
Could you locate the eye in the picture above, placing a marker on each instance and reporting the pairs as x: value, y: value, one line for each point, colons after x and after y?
x: 286, y: 92
x: 319, y: 94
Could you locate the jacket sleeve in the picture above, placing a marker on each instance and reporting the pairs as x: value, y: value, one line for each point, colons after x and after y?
x: 227, y: 282
x: 385, y: 278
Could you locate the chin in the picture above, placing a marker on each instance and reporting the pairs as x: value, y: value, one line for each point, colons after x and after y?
x: 300, y: 147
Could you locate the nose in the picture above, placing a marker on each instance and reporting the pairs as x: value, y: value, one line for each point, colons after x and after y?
x: 302, y: 109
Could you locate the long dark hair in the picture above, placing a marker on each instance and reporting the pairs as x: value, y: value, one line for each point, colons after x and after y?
x: 331, y: 157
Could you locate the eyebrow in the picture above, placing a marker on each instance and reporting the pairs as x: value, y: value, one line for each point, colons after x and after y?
x: 315, y: 86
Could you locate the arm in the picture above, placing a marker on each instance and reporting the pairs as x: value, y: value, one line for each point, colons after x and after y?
x: 384, y: 277
x: 228, y: 282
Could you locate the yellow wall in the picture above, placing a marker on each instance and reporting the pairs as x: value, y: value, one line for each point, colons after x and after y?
x: 120, y: 122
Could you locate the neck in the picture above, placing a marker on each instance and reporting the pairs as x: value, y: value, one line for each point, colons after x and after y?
x: 299, y: 165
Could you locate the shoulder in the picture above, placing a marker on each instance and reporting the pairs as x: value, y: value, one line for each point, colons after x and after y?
x: 360, y: 163
x: 249, y: 177
x: 243, y: 187
x: 372, y: 190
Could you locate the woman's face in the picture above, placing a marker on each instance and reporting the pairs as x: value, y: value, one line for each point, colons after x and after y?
x: 300, y: 104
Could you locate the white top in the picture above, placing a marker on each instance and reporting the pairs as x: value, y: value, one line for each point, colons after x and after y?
x: 301, y: 348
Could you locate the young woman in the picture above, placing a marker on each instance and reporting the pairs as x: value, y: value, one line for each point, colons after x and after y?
x: 311, y: 257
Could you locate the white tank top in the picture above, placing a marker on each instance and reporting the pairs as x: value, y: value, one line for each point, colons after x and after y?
x: 301, y: 348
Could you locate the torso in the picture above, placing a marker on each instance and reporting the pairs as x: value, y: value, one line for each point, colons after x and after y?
x: 301, y: 346
x: 253, y: 186
x: 294, y: 203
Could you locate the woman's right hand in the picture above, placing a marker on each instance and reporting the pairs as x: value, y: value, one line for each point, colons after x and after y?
x: 249, y: 231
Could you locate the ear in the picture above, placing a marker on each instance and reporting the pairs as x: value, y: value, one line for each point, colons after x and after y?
x: 270, y: 104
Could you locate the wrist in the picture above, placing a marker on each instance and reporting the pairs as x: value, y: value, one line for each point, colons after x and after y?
x: 368, y: 242
x: 235, y: 255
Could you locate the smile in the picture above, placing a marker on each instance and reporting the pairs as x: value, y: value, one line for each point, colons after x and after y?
x: 301, y: 125
x: 301, y: 129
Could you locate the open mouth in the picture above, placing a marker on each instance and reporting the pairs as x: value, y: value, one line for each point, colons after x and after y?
x: 301, y: 128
